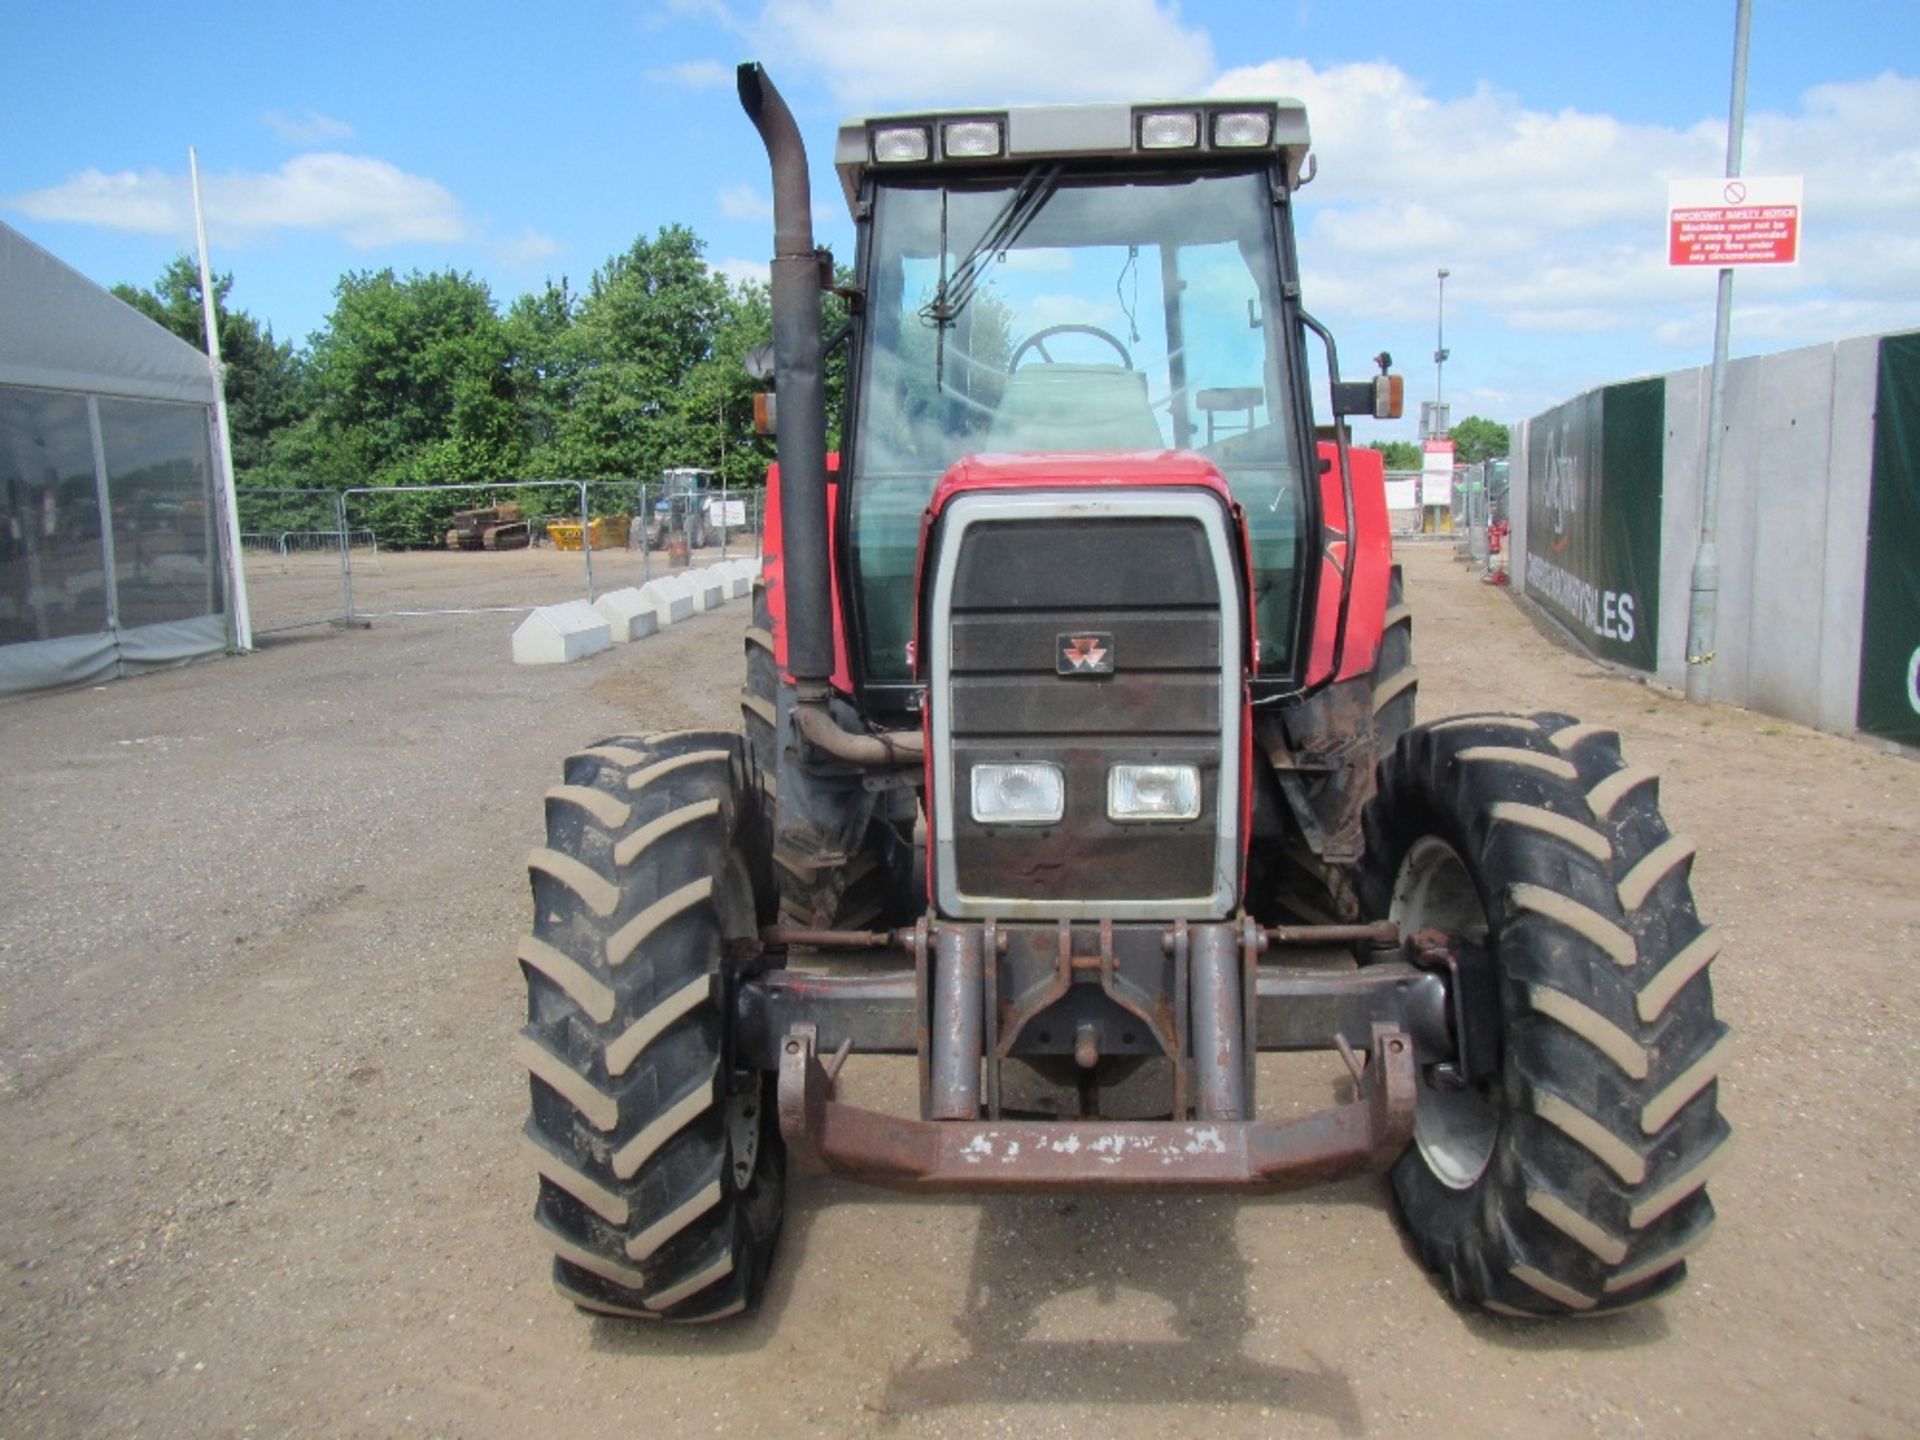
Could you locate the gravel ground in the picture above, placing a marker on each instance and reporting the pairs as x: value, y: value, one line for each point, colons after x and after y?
x: 259, y: 1120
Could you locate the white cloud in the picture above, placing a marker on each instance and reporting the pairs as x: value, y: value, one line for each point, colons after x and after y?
x: 1551, y: 221
x: 312, y: 128
x: 984, y: 52
x: 366, y: 202
x: 529, y: 247
x: 745, y: 202
x: 694, y: 75
x: 742, y: 272
x: 150, y: 202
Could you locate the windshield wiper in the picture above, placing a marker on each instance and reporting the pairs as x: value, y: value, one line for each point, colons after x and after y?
x: 1002, y: 233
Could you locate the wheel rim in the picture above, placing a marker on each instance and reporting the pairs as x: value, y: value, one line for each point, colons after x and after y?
x: 743, y: 1134
x: 1454, y: 1129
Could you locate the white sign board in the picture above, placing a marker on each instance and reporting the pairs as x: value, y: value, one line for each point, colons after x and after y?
x: 1436, y: 472
x: 1746, y: 220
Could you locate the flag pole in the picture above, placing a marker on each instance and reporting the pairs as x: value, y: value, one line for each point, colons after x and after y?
x: 240, y: 618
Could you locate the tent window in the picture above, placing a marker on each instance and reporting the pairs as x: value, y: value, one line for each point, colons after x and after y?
x: 160, y: 477
x: 52, y: 580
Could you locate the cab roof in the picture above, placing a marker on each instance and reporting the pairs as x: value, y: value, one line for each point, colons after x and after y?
x: 1075, y: 132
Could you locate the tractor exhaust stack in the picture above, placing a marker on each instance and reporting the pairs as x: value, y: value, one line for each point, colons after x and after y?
x: 801, y: 441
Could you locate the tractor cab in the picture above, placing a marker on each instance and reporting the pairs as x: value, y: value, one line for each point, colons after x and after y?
x: 1095, y: 279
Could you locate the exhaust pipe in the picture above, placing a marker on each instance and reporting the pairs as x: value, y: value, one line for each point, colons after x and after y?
x: 801, y: 440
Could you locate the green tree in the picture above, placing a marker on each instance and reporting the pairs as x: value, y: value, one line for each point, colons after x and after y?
x: 263, y: 376
x: 410, y: 385
x: 644, y: 328
x: 414, y: 361
x: 541, y: 361
x: 1399, y: 454
x: 1476, y: 438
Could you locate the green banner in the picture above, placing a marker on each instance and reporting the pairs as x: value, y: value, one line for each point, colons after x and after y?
x: 1594, y: 475
x: 1890, y: 628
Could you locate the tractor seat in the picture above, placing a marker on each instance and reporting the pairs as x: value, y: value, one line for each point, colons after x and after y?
x: 1074, y: 407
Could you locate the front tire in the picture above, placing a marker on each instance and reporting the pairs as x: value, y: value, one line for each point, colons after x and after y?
x: 1569, y: 1180
x: 661, y: 1168
x: 856, y: 893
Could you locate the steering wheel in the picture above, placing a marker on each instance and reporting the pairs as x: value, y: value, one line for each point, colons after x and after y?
x: 1038, y: 341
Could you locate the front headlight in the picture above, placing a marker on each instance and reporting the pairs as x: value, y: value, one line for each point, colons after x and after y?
x: 1153, y: 792
x: 1236, y: 128
x: 971, y: 138
x: 1170, y: 130
x: 901, y: 142
x: 1029, y: 794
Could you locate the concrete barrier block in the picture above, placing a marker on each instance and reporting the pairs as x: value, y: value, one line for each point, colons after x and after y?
x: 629, y: 614
x: 738, y: 576
x: 709, y: 590
x: 555, y: 634
x: 671, y: 597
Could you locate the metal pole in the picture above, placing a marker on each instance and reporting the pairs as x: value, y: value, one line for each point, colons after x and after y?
x: 646, y: 537
x: 1214, y: 981
x: 1703, y: 603
x: 586, y: 539
x: 723, y: 477
x: 103, y: 497
x: 958, y: 1017
x: 241, y: 617
x: 346, y: 555
x: 1440, y: 353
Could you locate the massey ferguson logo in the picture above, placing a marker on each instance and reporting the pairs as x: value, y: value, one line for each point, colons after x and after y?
x: 1090, y: 654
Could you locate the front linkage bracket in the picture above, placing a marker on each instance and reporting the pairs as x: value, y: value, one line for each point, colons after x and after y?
x: 1364, y: 1135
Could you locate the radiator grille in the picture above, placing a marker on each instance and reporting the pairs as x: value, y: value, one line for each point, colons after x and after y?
x: 1150, y: 586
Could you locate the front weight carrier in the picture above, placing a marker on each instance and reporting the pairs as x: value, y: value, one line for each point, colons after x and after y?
x: 1194, y: 993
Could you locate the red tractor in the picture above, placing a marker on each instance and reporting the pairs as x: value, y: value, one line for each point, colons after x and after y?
x: 1080, y: 749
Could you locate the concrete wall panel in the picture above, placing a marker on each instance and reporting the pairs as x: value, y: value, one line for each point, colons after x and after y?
x: 1856, y: 367
x: 1517, y: 483
x: 1786, y: 566
x: 1682, y: 468
x: 1791, y: 528
x: 1742, y: 419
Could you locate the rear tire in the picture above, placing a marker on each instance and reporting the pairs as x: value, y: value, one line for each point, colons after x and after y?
x: 1571, y: 1181
x: 1396, y: 683
x: 661, y: 1168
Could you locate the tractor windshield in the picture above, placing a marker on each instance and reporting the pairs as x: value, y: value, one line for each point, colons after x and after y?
x: 1071, y: 313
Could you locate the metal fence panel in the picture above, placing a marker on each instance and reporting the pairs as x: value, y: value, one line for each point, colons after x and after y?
x: 316, y: 557
x: 296, y: 553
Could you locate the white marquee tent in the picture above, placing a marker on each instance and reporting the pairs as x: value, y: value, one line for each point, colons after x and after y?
x: 111, y: 550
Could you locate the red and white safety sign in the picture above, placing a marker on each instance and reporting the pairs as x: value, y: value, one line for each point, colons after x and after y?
x: 1747, y: 220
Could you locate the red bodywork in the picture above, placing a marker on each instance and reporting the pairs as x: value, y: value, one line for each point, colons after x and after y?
x: 1337, y: 649
x: 1069, y: 471
x: 1345, y: 641
x: 773, y: 575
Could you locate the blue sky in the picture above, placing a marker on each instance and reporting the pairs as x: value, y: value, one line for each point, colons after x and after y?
x: 1525, y: 146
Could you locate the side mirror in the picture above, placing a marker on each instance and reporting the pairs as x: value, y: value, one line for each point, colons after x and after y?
x: 759, y: 361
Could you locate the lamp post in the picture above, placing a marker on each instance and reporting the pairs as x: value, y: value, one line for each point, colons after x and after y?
x: 1703, y: 598
x: 1440, y: 356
